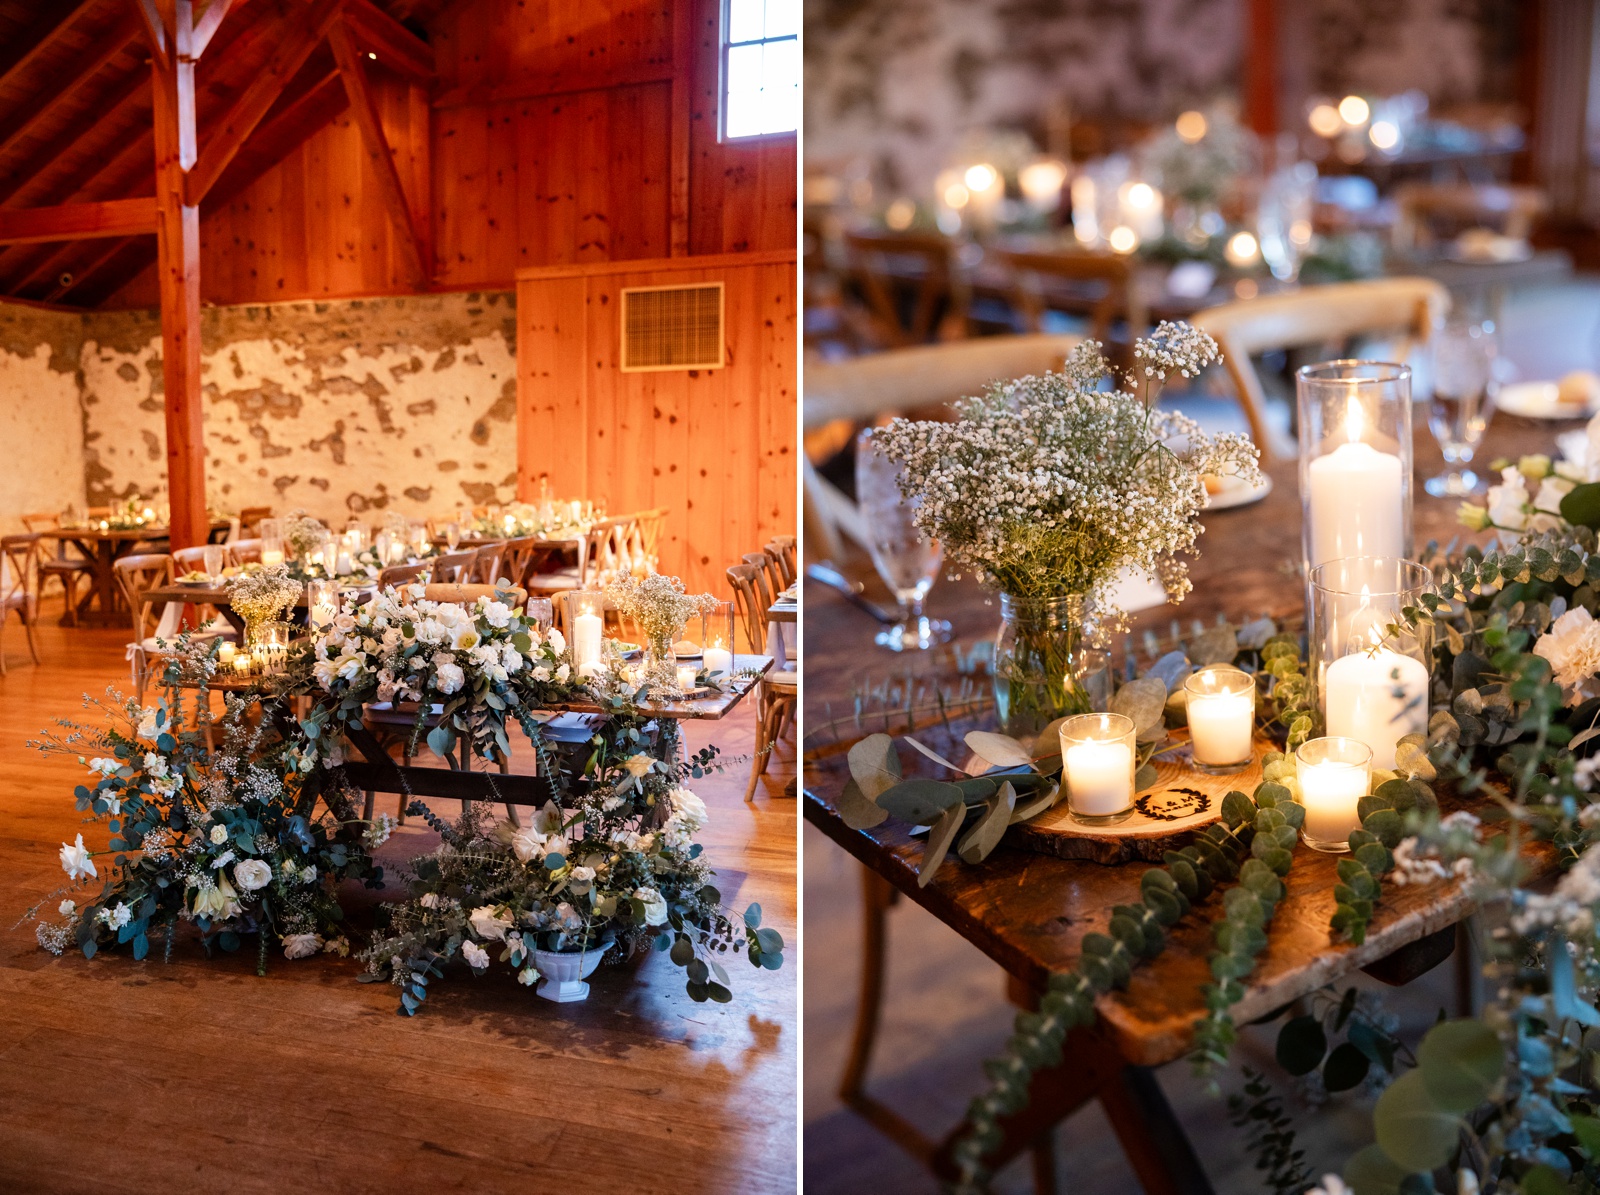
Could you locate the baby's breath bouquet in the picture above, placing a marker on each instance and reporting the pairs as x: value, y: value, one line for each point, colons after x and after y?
x: 260, y: 595
x: 660, y: 607
x: 1050, y: 487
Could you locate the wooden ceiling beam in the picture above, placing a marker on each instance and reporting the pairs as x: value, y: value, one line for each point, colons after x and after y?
x: 108, y: 109
x: 66, y: 282
x: 208, y: 24
x: 77, y: 221
x: 257, y: 99
x: 409, y: 221
x: 388, y: 42
x: 42, y: 107
x: 24, y: 48
x: 155, y: 33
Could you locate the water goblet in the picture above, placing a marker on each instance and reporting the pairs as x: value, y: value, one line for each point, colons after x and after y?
x: 907, y: 561
x: 1461, y: 403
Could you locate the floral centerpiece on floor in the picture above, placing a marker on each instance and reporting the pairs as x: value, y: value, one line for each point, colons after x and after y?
x: 660, y: 607
x: 1049, y: 488
x: 609, y: 866
x: 227, y: 839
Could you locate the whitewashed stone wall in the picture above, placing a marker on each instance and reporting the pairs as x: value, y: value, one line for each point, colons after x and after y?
x: 41, y: 420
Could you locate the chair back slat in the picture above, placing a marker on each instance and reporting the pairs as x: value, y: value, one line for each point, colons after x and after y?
x: 453, y: 567
x: 748, y: 583
x: 401, y: 574
x: 245, y: 551
x: 781, y: 549
x: 770, y: 575
x: 466, y: 594
x: 487, y: 562
x: 137, y: 575
x: 516, y: 559
x: 19, y: 576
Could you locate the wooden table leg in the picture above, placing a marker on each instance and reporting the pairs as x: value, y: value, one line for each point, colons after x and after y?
x: 104, y: 556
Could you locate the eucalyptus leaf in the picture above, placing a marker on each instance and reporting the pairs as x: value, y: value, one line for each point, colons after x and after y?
x: 934, y: 755
x: 999, y: 749
x: 921, y: 801
x: 1459, y: 1062
x: 1145, y: 777
x: 938, y: 845
x: 1170, y: 670
x: 874, y: 765
x: 1415, y: 1132
x: 1219, y: 645
x: 1143, y: 701
x: 856, y: 811
x: 986, y: 834
x: 1030, y: 809
x: 1373, y: 1172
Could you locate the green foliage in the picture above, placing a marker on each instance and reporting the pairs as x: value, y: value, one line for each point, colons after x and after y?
x: 1269, y: 1135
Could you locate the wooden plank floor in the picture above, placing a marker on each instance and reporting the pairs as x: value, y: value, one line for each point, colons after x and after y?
x: 200, y: 1076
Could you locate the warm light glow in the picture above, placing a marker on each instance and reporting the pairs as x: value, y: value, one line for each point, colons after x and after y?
x: 1354, y: 111
x: 980, y: 178
x: 1191, y: 127
x: 1041, y: 182
x: 1123, y: 239
x: 1355, y: 419
x: 1140, y: 196
x: 900, y: 214
x: 956, y: 196
x: 1384, y: 134
x: 372, y: 56
x: 1324, y: 120
x: 1243, y: 249
x: 1300, y: 232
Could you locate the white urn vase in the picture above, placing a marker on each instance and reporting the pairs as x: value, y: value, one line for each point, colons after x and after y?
x: 562, y: 972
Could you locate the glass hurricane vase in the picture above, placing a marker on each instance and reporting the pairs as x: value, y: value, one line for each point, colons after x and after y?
x: 1044, y: 665
x: 661, y: 662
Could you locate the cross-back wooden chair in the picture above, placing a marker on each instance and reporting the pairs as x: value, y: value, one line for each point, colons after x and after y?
x: 62, y: 565
x: 779, y: 692
x: 771, y: 577
x: 1111, y: 275
x: 453, y: 567
x: 487, y: 561
x: 881, y: 263
x: 137, y: 575
x: 781, y: 548
x: 250, y: 517
x: 1426, y: 211
x: 19, y: 588
x: 596, y: 551
x: 245, y: 551
x: 1318, y: 315
x: 644, y: 539
x: 516, y: 558
x: 401, y: 574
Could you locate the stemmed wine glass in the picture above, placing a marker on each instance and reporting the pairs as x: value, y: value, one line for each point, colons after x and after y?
x: 1464, y: 386
x: 907, y: 562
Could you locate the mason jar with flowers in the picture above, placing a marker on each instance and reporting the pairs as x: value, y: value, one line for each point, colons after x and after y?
x: 1051, y: 488
x: 661, y: 609
x: 259, y: 597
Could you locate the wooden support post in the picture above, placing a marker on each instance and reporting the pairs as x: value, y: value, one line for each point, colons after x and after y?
x: 178, y: 275
x: 1261, y: 67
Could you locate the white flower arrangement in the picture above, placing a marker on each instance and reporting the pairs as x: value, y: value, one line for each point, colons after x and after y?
x: 1053, y: 485
x: 262, y: 594
x: 658, y: 604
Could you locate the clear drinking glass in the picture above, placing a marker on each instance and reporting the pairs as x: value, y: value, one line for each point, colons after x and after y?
x: 543, y: 613
x: 1463, y: 399
x: 452, y: 535
x: 906, y: 560
x: 213, y: 555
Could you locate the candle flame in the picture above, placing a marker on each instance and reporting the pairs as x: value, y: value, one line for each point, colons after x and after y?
x: 1355, y: 420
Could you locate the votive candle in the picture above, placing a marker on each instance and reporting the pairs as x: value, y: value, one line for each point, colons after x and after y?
x: 1334, y: 774
x: 1098, y: 761
x: 718, y: 658
x: 1221, y: 709
x: 686, y: 675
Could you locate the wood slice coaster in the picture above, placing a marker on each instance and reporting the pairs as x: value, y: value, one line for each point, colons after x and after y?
x: 1165, y: 815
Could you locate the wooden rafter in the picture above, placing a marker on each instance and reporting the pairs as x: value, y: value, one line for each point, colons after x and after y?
x: 301, y: 35
x: 25, y: 47
x: 208, y: 24
x: 155, y: 34
x: 97, y: 262
x: 125, y: 92
x: 368, y: 118
x: 43, y: 106
x: 77, y: 221
x: 391, y: 43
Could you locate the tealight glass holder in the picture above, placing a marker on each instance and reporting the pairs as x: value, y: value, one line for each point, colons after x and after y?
x: 1370, y: 664
x: 717, y: 641
x: 1221, y: 703
x: 1334, y: 774
x: 542, y: 612
x: 1099, y: 757
x: 269, y: 647
x: 322, y: 603
x: 1355, y: 461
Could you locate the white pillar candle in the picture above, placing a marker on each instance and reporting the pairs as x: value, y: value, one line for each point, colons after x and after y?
x: 344, y: 566
x: 271, y: 556
x: 1330, y: 793
x: 1220, y: 726
x: 1355, y: 499
x: 1099, y: 777
x: 586, y: 633
x: 718, y: 659
x: 1378, y: 698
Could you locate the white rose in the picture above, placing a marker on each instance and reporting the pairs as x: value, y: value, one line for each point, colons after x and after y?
x: 344, y: 621
x: 448, y: 678
x: 655, y: 905
x: 251, y: 874
x: 488, y: 923
x: 563, y: 674
x: 1508, y: 501
x: 148, y: 729
x: 527, y: 977
x: 477, y: 957
x: 498, y: 614
x: 75, y: 861
x: 542, y: 674
x: 528, y: 844
x: 557, y: 641
x: 154, y: 764
x: 1551, y: 491
x: 690, y: 809
x: 106, y: 767
x: 1572, y: 645
x: 68, y: 907
x: 510, y: 660
x: 301, y: 945
x: 219, y: 834
x: 582, y: 875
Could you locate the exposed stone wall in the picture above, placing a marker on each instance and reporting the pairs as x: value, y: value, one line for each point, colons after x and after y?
x: 41, y: 421
x: 341, y: 408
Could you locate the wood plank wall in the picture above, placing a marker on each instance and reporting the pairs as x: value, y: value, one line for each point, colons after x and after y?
x: 716, y: 447
x: 548, y: 142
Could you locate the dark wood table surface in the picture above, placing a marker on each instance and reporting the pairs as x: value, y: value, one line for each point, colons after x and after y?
x: 1029, y: 912
x: 103, y: 548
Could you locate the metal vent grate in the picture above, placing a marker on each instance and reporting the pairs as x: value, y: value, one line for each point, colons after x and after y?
x: 672, y: 327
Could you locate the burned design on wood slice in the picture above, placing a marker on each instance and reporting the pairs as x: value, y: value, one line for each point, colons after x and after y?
x: 1173, y: 804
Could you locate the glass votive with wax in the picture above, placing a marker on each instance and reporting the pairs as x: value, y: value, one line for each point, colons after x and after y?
x: 1334, y: 774
x: 686, y: 674
x: 1222, y: 714
x: 271, y: 550
x: 1370, y: 664
x: 322, y: 603
x: 1098, y: 760
x: 716, y: 640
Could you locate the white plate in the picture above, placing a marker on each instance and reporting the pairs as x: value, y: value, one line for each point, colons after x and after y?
x: 1236, y: 491
x: 1537, y: 400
